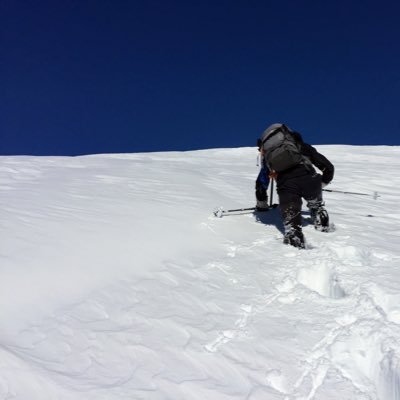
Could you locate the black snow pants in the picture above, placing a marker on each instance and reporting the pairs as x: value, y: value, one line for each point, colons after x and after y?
x: 291, y: 191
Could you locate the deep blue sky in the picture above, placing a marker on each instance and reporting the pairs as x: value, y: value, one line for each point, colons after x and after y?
x: 100, y: 76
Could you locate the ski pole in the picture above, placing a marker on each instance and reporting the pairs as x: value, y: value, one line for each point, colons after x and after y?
x: 271, y: 194
x: 240, y: 209
x: 219, y: 212
x: 375, y: 195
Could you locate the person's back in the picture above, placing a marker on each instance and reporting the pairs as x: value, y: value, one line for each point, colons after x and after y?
x: 299, y: 180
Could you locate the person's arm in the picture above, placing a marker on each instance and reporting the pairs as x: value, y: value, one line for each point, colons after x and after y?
x: 262, y: 183
x: 320, y: 161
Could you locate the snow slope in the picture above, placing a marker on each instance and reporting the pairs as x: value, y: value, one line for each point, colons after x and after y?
x: 117, y: 282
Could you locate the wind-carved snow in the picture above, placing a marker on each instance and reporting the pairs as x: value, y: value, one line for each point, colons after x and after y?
x: 117, y: 282
x: 323, y: 279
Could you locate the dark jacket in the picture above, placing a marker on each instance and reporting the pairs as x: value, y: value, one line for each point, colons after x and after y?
x: 315, y: 158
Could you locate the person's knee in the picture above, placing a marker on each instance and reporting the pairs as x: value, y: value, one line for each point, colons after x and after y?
x: 312, y: 190
x: 289, y: 198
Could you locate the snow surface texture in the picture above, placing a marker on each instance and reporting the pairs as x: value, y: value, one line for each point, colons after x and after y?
x: 117, y: 282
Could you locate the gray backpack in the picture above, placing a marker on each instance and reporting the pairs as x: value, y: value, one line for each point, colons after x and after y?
x: 281, y: 150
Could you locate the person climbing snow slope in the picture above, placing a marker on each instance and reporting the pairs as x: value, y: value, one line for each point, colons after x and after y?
x: 286, y: 158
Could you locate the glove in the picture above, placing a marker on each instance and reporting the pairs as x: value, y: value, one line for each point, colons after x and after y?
x: 261, y: 193
x: 262, y: 205
x: 324, y: 184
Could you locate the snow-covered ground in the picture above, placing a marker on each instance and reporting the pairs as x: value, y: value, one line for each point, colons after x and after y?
x: 117, y: 282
